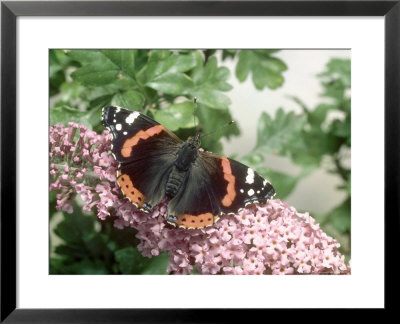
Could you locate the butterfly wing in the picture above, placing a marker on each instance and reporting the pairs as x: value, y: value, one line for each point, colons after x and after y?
x: 146, y: 151
x: 216, y: 185
x: 194, y: 206
x: 243, y: 185
x: 134, y: 133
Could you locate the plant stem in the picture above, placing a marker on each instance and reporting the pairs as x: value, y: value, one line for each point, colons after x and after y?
x: 340, y: 170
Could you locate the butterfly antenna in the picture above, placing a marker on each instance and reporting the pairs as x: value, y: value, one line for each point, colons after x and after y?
x: 194, y: 116
x: 223, y: 126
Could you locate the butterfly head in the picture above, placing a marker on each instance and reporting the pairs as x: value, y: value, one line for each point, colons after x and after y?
x: 194, y: 142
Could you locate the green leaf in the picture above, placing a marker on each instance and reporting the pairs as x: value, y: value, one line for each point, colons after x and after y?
x: 157, y: 265
x: 348, y: 186
x: 182, y: 63
x: 244, y: 65
x: 265, y: 77
x: 254, y: 159
x: 204, y: 73
x: 75, y: 227
x: 56, y: 74
x: 130, y: 99
x: 64, y: 114
x: 83, y: 267
x: 88, y: 267
x: 267, y: 71
x: 209, y: 83
x: 336, y: 81
x: 228, y: 53
x: 212, y: 99
x: 101, y: 101
x: 81, y: 241
x: 72, y: 92
x: 96, y: 244
x: 317, y: 116
x: 124, y: 59
x: 316, y: 144
x: 56, y: 266
x: 281, y: 135
x: 88, y: 250
x: 172, y: 83
x: 342, y: 128
x: 339, y: 69
x: 101, y: 67
x: 340, y: 217
x: 58, y: 66
x: 129, y: 260
x: 56, y: 80
x: 71, y: 250
x: 96, y: 75
x: 121, y: 238
x: 285, y: 136
x: 93, y: 118
x: 176, y: 116
x: 56, y: 61
x: 161, y: 62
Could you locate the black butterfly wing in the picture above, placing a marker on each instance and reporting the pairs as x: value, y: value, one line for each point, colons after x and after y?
x: 133, y: 133
x: 243, y: 185
x: 146, y: 151
x: 217, y: 185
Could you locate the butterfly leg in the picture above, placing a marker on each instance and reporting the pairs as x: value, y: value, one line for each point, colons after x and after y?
x: 172, y: 219
x: 147, y: 208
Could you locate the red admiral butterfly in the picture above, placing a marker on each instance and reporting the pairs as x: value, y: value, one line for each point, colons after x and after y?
x: 156, y: 164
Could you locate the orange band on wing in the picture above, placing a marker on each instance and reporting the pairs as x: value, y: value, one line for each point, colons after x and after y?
x: 131, y: 142
x: 196, y: 221
x: 127, y: 187
x: 230, y: 188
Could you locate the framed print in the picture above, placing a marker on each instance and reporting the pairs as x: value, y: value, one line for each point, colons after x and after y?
x: 157, y: 149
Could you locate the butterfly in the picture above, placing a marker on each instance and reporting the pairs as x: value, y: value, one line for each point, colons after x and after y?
x: 155, y: 164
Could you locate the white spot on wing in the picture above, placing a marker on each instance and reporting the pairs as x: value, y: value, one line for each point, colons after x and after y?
x: 250, y: 192
x: 118, y: 127
x: 241, y: 190
x: 131, y: 118
x: 250, y: 176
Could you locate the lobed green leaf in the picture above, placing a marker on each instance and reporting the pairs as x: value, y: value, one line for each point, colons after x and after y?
x: 130, y: 99
x: 176, y: 116
x: 266, y: 70
x: 282, y: 134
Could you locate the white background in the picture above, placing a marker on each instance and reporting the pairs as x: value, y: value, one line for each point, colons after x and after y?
x: 364, y: 288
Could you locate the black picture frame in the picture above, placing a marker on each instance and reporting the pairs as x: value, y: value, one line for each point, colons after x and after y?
x: 10, y: 10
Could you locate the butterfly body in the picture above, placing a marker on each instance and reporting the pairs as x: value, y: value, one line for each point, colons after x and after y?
x: 186, y: 156
x: 155, y: 164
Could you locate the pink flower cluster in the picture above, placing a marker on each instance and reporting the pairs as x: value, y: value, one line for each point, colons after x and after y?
x: 269, y: 239
x: 80, y: 164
